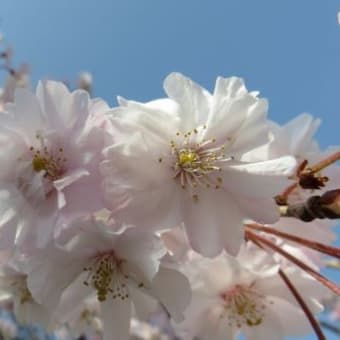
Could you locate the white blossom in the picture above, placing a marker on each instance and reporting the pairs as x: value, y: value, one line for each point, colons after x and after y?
x: 179, y: 160
x: 246, y: 294
x: 121, y: 267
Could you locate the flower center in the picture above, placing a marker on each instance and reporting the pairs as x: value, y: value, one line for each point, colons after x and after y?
x: 188, y: 159
x: 20, y: 289
x: 107, y: 277
x: 52, y: 163
x: 244, y: 306
x: 197, y: 163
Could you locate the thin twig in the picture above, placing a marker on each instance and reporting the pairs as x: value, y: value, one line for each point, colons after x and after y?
x: 325, y: 162
x: 303, y: 305
x: 323, y: 248
x: 329, y: 284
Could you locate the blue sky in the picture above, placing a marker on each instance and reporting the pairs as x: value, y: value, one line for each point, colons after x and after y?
x: 288, y: 50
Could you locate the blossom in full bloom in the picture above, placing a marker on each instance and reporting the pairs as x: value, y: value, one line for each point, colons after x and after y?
x: 179, y: 160
x: 51, y: 145
x: 120, y: 267
x: 245, y: 295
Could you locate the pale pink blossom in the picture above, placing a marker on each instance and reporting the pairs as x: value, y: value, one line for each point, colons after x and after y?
x: 179, y: 160
x: 51, y: 145
x: 121, y: 267
x: 246, y: 295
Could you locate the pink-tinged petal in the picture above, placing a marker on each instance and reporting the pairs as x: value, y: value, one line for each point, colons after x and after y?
x: 295, y: 137
x: 155, y: 124
x: 261, y: 210
x: 8, y: 219
x: 212, y: 326
x: 55, y: 99
x: 146, y: 252
x: 213, y: 222
x: 144, y: 305
x: 194, y: 101
x: 235, y: 113
x: 165, y: 106
x: 49, y: 275
x: 172, y: 288
x: 65, y: 182
x: 254, y: 131
x: 258, y: 180
x: 218, y: 274
x: 28, y: 115
x: 176, y: 242
x: 70, y: 178
x: 72, y: 299
x: 160, y: 212
x: 116, y: 314
x: 80, y: 110
x: 293, y: 320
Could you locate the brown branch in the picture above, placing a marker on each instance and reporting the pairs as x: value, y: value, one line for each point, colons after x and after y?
x: 303, y: 305
x: 325, y: 163
x: 282, y: 199
x: 322, y: 248
x: 325, y: 206
x: 262, y: 240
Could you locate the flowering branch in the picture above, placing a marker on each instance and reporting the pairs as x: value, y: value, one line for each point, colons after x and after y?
x: 82, y: 172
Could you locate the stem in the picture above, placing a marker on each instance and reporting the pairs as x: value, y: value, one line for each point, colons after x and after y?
x: 325, y: 163
x: 282, y: 199
x: 262, y: 240
x: 306, y: 310
x: 322, y: 248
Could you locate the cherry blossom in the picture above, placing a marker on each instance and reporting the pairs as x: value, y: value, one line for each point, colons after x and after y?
x: 51, y: 146
x: 184, y: 154
x: 245, y: 294
x: 120, y: 267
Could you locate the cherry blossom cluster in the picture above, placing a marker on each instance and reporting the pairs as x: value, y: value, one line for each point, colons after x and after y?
x: 196, y: 205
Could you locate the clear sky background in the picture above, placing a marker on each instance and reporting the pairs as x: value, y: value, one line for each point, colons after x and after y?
x: 288, y: 50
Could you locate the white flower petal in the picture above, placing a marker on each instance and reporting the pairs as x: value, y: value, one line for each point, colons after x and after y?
x: 144, y: 305
x: 193, y: 100
x: 141, y: 248
x: 293, y: 320
x: 270, y: 328
x: 213, y: 223
x: 47, y: 285
x: 116, y: 316
x: 259, y: 180
x: 173, y: 290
